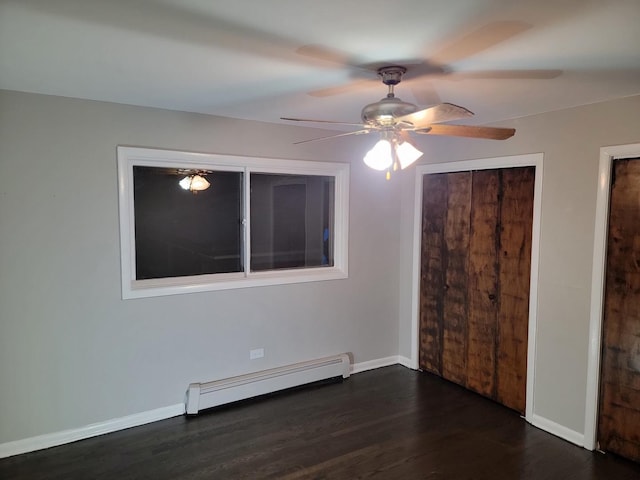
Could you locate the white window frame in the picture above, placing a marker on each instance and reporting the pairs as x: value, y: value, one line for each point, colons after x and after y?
x: 128, y: 157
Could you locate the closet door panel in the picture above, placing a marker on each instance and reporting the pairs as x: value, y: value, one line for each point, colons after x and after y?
x: 514, y: 260
x: 455, y: 308
x: 483, y: 283
x: 619, y: 413
x: 433, y: 267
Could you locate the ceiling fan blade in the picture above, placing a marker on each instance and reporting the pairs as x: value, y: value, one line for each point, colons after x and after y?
x: 357, y: 132
x: 415, y: 68
x: 343, y: 59
x: 320, y: 52
x: 354, y: 86
x: 439, y: 113
x: 333, y: 55
x: 424, y: 92
x: 479, y: 40
x: 404, y: 135
x: 471, y: 131
x: 505, y: 75
x: 320, y: 121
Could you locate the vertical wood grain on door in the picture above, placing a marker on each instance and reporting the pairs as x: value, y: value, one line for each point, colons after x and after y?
x: 619, y: 417
x: 483, y: 283
x: 434, y: 266
x: 476, y: 250
x: 514, y: 262
x: 455, y: 307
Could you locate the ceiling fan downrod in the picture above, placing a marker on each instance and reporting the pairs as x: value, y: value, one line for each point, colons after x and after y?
x: 391, y: 76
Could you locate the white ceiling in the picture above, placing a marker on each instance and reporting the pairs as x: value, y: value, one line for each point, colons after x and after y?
x: 250, y: 59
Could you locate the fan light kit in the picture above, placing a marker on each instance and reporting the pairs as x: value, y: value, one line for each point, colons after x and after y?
x: 395, y: 119
x: 391, y: 151
x: 194, y: 183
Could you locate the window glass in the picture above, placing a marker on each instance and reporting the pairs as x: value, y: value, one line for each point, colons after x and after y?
x: 195, y: 222
x: 179, y: 232
x: 291, y: 221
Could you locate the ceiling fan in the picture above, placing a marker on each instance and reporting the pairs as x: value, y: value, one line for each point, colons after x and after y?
x: 394, y: 119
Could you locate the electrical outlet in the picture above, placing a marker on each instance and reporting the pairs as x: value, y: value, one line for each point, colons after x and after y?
x: 256, y: 353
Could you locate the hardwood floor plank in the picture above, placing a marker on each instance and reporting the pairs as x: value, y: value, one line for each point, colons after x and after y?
x: 390, y: 423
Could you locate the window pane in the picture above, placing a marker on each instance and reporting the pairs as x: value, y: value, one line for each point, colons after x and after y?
x: 182, y: 233
x: 291, y: 221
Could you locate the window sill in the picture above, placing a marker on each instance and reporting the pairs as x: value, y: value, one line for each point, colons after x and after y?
x: 209, y: 283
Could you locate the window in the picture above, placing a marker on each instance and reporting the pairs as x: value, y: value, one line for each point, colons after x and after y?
x: 194, y: 222
x: 291, y: 221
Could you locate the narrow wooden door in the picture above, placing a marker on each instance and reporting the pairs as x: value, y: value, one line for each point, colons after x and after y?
x: 619, y: 418
x: 474, y: 292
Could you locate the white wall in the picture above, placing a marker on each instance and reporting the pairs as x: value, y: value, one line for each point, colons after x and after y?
x: 570, y: 140
x: 72, y: 352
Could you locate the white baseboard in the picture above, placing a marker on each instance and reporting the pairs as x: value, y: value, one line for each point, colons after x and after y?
x: 406, y: 362
x: 48, y: 440
x: 380, y: 362
x: 557, y: 430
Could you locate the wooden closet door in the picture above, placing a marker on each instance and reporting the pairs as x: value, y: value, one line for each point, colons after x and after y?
x: 484, y: 279
x: 619, y: 417
x: 474, y: 300
x: 514, y: 263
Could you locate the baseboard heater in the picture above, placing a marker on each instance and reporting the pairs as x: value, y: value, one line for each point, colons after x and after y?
x: 220, y: 392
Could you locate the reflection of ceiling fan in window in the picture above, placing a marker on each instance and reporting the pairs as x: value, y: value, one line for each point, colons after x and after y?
x: 395, y: 119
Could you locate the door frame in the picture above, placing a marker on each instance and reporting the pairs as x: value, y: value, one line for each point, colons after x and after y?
x: 601, y: 229
x: 525, y: 160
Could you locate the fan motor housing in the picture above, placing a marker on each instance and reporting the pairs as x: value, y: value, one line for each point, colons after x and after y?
x: 385, y: 112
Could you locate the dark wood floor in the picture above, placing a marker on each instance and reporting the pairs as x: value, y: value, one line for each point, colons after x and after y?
x: 388, y: 423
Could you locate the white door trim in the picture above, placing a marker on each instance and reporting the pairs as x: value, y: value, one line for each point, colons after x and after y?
x: 607, y: 155
x: 532, y: 159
